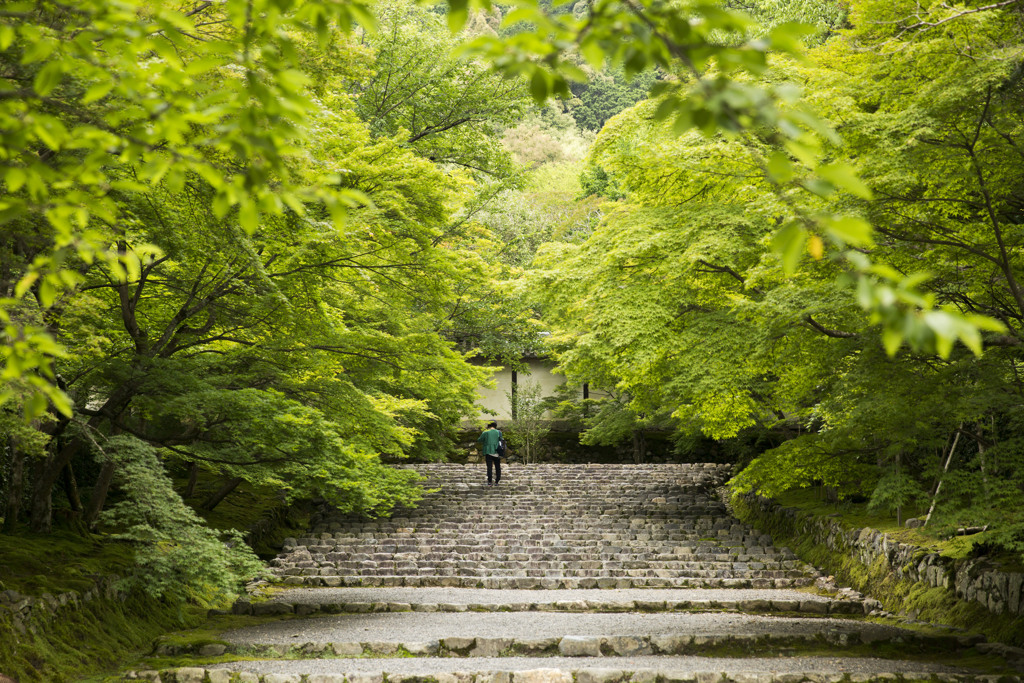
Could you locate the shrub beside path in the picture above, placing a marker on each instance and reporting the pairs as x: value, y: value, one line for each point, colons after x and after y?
x: 569, y: 574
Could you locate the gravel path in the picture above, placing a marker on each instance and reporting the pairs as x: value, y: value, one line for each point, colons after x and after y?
x: 466, y: 596
x: 797, y: 665
x: 406, y: 627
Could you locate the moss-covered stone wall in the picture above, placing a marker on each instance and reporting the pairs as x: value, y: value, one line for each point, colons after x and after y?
x: 907, y: 579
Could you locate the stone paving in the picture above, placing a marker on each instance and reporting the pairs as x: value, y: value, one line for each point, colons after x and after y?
x: 565, y: 573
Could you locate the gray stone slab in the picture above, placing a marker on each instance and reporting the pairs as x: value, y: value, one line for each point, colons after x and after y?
x: 421, y: 626
x: 466, y: 596
x: 795, y: 668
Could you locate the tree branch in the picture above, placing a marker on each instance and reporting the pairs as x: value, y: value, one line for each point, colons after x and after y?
x: 835, y: 334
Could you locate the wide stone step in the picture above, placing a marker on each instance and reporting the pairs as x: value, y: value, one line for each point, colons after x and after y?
x: 488, y: 562
x: 596, y: 531
x: 573, y: 670
x: 508, y: 569
x: 626, y: 561
x: 566, y: 646
x: 305, y: 602
x: 635, y: 543
x: 535, y: 583
x: 634, y: 549
x: 488, y: 634
x: 527, y: 552
x: 606, y: 543
x: 556, y: 529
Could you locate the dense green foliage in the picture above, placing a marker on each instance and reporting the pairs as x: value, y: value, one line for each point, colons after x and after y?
x: 288, y: 267
x: 256, y: 242
x: 605, y: 95
x: 679, y: 304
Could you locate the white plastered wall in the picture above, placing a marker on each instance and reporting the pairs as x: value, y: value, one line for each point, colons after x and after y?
x: 496, y: 399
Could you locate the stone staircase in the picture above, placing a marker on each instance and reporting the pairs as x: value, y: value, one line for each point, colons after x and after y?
x: 564, y: 573
x: 549, y: 526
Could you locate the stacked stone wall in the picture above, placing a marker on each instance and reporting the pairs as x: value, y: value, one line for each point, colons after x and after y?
x: 28, y: 612
x: 973, y: 580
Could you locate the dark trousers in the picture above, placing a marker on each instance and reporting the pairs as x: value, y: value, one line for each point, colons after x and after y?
x: 495, y: 462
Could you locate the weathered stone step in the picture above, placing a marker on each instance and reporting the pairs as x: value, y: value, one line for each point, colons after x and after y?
x: 481, y: 560
x: 563, y: 551
x: 600, y: 533
x: 657, y: 633
x: 523, y: 543
x: 700, y: 644
x: 282, y: 607
x: 537, y: 560
x: 565, y: 670
x: 606, y: 544
x: 531, y: 571
x: 370, y: 551
x: 475, y: 542
x: 646, y: 599
x: 306, y: 601
x: 581, y: 528
x: 524, y: 582
x: 617, y: 504
x: 493, y: 562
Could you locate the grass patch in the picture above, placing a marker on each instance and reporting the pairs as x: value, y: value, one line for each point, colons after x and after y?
x: 211, y: 630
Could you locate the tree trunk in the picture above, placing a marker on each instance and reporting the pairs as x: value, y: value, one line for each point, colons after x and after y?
x: 99, y: 494
x: 193, y: 479
x: 639, y: 447
x: 899, y: 508
x: 71, y: 488
x: 47, y: 473
x: 49, y: 469
x: 221, y: 493
x: 41, y: 507
x: 16, y: 488
x: 938, y: 485
x: 981, y: 458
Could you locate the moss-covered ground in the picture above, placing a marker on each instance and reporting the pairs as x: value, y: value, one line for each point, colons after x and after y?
x: 82, y: 644
x: 33, y: 564
x: 88, y: 641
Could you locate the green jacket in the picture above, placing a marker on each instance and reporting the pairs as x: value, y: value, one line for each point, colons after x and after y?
x: 489, y: 440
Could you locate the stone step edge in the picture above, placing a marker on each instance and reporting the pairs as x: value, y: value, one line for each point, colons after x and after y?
x: 484, y: 573
x: 582, y: 675
x: 569, y: 646
x: 748, y: 606
x: 535, y: 583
